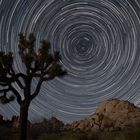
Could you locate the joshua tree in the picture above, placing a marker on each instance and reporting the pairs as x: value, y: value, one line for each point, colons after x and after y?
x: 39, y: 64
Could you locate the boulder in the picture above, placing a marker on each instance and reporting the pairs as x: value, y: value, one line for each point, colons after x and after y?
x: 116, y: 106
x: 110, y: 115
x: 122, y: 114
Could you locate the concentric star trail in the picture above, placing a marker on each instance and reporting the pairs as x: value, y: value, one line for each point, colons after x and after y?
x: 100, y: 48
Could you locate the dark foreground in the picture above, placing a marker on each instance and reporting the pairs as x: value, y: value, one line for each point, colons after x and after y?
x: 38, y: 134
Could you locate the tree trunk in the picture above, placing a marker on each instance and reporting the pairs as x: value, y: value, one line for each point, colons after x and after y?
x: 23, y: 121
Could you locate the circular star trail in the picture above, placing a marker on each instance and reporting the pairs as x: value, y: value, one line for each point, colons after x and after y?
x: 100, y: 48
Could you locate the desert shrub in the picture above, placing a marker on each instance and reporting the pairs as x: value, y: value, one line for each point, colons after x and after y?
x: 8, y: 134
x: 49, y: 136
x: 68, y: 136
x: 133, y: 134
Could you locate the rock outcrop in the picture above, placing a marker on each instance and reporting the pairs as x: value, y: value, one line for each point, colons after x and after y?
x: 49, y: 125
x: 5, y: 123
x: 110, y: 115
x: 13, y: 123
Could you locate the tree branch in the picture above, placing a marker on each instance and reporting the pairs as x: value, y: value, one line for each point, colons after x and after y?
x: 37, y: 89
x: 18, y: 81
x: 11, y: 71
x: 5, y: 81
x: 4, y: 98
x: 4, y: 90
x: 35, y: 74
x: 15, y: 92
x: 3, y: 84
x: 20, y: 84
x: 21, y: 75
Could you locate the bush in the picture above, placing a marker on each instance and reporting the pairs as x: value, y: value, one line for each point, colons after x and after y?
x: 133, y: 134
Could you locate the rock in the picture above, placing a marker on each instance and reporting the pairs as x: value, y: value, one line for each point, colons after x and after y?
x: 55, y: 124
x: 116, y: 106
x: 110, y: 115
x: 122, y: 114
x: 49, y: 125
x: 107, y: 124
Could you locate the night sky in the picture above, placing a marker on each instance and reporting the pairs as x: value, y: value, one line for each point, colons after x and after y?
x: 99, y: 41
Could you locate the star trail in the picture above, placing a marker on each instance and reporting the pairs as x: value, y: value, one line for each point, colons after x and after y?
x: 100, y: 48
